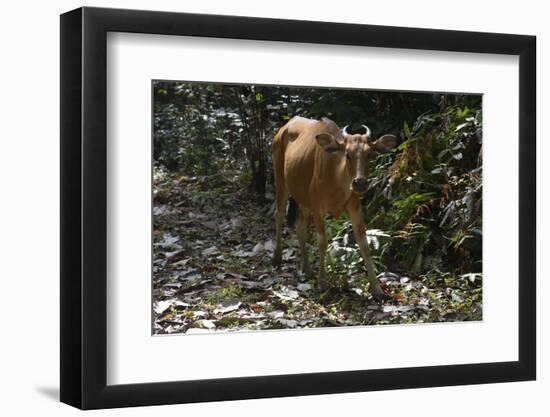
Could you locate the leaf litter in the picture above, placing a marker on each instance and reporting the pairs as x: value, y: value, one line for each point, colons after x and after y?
x: 212, y: 250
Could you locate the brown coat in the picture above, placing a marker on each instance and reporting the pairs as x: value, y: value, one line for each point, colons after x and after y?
x: 324, y: 170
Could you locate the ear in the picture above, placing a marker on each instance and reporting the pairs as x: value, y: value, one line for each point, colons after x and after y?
x: 331, y: 126
x: 328, y: 142
x: 385, y: 144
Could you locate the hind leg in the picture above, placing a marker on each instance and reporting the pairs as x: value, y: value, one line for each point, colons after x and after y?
x: 319, y: 220
x: 278, y: 253
x: 280, y: 203
x: 302, y: 232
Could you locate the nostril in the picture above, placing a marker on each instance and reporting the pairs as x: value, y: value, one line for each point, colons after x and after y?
x: 360, y: 182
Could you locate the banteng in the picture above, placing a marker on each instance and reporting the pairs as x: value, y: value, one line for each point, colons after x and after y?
x: 324, y: 170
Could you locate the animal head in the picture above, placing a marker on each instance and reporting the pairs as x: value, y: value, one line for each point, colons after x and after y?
x: 356, y: 150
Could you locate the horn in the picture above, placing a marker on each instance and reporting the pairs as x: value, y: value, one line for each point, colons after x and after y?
x: 367, y: 130
x: 345, y: 130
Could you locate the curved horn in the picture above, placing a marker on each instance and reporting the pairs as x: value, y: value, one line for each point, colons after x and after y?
x: 367, y: 130
x: 345, y: 130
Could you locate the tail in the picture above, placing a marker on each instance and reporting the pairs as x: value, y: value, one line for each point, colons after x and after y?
x: 278, y: 149
x: 291, y: 212
x: 279, y: 144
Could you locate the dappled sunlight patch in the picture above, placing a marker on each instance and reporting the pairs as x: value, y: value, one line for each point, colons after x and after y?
x: 213, y: 212
x: 211, y: 279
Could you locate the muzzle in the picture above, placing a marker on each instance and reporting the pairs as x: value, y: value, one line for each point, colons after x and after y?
x: 359, y: 185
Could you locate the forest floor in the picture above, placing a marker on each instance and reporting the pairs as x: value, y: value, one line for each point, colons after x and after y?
x: 212, y: 250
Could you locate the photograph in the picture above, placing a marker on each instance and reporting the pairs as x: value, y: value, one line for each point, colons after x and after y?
x: 287, y: 206
x: 297, y: 207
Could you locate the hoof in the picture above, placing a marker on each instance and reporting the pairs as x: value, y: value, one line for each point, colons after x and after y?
x: 380, y: 297
x: 276, y: 261
x: 321, y: 284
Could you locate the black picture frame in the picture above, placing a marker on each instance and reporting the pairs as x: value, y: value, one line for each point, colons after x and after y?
x: 84, y: 207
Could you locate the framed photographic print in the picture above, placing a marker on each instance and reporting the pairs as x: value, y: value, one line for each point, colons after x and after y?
x: 256, y: 208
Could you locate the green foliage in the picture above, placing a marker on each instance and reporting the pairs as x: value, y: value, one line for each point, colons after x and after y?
x: 428, y: 195
x: 225, y: 293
